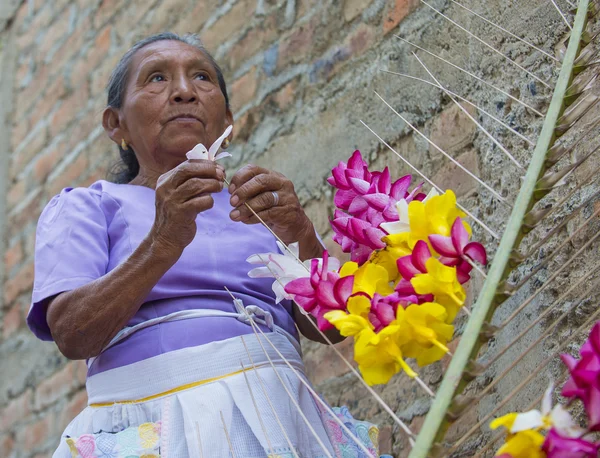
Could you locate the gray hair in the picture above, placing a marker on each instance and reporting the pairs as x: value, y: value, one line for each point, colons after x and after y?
x: 128, y: 168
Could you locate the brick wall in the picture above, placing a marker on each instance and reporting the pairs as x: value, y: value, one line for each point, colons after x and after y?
x: 301, y: 75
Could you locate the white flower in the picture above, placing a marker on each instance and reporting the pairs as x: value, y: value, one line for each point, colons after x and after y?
x: 284, y: 268
x: 557, y: 417
x: 200, y: 151
x: 403, y: 223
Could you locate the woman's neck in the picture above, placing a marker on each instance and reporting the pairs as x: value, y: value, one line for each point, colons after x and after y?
x: 147, y: 180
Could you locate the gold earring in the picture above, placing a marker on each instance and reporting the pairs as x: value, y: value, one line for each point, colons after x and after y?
x: 124, y: 145
x: 226, y: 143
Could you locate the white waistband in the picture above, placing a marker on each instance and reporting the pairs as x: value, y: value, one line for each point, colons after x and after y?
x: 169, y: 371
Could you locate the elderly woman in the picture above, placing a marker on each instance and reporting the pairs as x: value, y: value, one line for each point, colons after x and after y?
x: 131, y: 276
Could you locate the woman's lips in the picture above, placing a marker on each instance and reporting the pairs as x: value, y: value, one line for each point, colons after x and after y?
x: 185, y: 119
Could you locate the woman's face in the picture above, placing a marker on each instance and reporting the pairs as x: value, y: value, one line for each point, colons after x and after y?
x: 173, y: 102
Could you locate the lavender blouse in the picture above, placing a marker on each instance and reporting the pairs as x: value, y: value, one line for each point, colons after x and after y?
x: 83, y: 233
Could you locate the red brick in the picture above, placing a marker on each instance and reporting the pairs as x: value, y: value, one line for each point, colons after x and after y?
x: 235, y: 20
x: 297, y: 45
x: 453, y: 177
x: 7, y: 443
x: 69, y: 109
x: 15, y: 194
x: 27, y: 214
x: 46, y: 162
x: 193, y: 21
x: 28, y: 152
x: 26, y: 100
x: 254, y: 41
x: 106, y: 10
x: 100, y: 76
x: 21, y: 282
x: 72, y: 46
x: 72, y: 409
x: 35, y: 434
x: 17, y: 410
x: 18, y: 133
x: 361, y: 39
x: 57, y: 386
x: 56, y: 32
x: 99, y: 50
x: 165, y: 13
x: 12, y: 321
x: 399, y: 10
x: 244, y: 89
x: 453, y: 130
x: 13, y: 256
x: 71, y: 176
x: 42, y: 16
x: 286, y: 95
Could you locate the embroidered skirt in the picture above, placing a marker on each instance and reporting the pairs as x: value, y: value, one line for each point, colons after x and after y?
x: 222, y: 399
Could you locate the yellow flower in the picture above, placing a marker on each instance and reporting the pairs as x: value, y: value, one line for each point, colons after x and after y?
x: 441, y: 281
x: 424, y: 333
x: 378, y: 355
x: 523, y: 444
x: 397, y: 247
x: 369, y: 279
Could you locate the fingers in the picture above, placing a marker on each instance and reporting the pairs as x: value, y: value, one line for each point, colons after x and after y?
x: 195, y: 169
x: 263, y: 204
x: 195, y: 187
x: 199, y: 204
x: 244, y: 175
x: 256, y: 185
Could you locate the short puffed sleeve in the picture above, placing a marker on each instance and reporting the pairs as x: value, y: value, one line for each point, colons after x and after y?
x: 71, y: 250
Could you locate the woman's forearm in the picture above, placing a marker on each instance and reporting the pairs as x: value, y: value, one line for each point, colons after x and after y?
x: 84, y: 320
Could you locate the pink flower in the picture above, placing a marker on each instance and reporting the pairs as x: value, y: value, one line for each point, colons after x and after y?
x: 584, y: 382
x: 365, y: 201
x: 322, y: 292
x: 383, y: 308
x: 356, y: 236
x: 558, y: 446
x: 456, y: 248
x: 411, y: 265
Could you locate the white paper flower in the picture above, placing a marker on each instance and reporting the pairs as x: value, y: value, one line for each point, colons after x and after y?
x: 200, y: 151
x: 557, y: 417
x: 403, y: 223
x: 284, y: 268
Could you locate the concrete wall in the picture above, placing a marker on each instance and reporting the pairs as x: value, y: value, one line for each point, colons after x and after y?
x: 302, y: 75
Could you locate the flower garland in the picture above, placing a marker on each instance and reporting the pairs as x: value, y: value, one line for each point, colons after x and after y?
x: 563, y: 438
x: 411, y: 254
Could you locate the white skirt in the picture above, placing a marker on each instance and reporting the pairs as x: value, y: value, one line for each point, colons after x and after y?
x: 211, y: 401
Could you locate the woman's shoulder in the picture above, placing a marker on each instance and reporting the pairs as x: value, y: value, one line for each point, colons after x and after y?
x: 100, y: 198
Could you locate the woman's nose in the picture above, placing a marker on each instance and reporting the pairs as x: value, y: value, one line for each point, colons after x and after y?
x: 183, y: 91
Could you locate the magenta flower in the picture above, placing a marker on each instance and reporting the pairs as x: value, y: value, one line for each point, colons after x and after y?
x: 322, y: 292
x: 356, y: 236
x: 383, y: 308
x: 559, y: 446
x: 365, y: 201
x: 456, y: 248
x: 584, y: 382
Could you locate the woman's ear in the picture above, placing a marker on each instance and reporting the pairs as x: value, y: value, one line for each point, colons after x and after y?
x: 113, y: 126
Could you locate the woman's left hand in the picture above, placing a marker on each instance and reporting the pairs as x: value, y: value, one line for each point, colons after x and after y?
x: 272, y: 196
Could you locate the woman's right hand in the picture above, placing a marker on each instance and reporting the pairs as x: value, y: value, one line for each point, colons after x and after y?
x: 181, y: 194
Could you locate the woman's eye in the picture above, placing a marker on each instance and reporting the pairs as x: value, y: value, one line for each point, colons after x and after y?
x: 157, y: 78
x: 202, y: 76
